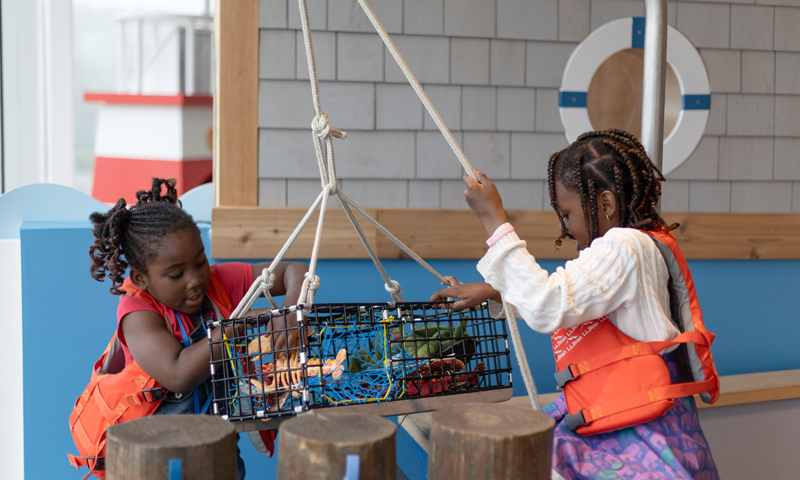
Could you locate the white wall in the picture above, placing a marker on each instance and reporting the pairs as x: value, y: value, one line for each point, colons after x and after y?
x: 11, y: 401
x: 38, y: 133
x: 756, y: 440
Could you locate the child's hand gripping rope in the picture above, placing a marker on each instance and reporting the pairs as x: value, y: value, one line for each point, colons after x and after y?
x: 484, y: 199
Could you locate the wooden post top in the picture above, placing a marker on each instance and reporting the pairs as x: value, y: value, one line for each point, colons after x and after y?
x: 171, y: 431
x: 339, y: 428
x: 496, y: 421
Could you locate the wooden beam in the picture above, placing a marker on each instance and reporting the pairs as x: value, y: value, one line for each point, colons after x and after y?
x: 236, y: 103
x: 737, y: 235
x: 458, y: 234
x: 251, y: 232
x: 734, y: 389
x: 756, y: 387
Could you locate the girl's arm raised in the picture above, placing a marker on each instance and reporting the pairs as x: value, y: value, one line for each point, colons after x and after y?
x: 604, y: 277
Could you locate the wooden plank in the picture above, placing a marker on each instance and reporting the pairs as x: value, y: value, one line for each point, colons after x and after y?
x: 458, y: 234
x: 236, y: 103
x: 734, y: 389
x: 737, y: 235
x: 251, y: 232
x: 756, y: 387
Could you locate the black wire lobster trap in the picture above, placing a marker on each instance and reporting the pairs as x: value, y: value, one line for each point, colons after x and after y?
x: 392, y: 358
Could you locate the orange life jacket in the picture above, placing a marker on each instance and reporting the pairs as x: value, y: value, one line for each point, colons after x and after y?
x: 613, y: 381
x: 117, y: 393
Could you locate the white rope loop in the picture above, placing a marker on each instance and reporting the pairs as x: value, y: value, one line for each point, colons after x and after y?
x: 261, y: 286
x: 311, y: 283
x: 394, y: 288
x: 267, y: 278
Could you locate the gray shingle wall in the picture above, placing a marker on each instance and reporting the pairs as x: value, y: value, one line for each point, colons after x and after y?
x: 492, y: 68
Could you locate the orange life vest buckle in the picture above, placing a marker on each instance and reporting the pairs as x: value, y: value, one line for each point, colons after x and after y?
x: 155, y: 394
x: 564, y: 376
x: 576, y: 420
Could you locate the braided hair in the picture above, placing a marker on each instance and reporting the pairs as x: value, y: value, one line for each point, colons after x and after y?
x: 130, y: 236
x: 612, y: 160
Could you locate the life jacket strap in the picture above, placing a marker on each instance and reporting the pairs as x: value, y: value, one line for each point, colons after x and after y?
x: 589, y: 414
x: 573, y: 371
x: 92, y: 463
x: 78, y: 462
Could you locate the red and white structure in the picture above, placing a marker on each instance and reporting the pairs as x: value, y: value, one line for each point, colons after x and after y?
x: 159, y: 121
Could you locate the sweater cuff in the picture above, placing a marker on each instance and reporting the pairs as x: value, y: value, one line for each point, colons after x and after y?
x: 499, y: 233
x: 495, y: 251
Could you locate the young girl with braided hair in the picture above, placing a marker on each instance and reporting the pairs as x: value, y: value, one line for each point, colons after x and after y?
x: 170, y: 277
x: 605, y: 191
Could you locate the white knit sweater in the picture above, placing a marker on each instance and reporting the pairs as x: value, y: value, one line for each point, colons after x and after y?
x: 622, y: 276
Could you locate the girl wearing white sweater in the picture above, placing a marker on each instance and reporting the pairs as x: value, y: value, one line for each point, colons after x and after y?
x: 605, y: 191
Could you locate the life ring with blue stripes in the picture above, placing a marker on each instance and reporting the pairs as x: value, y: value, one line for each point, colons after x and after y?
x: 682, y: 56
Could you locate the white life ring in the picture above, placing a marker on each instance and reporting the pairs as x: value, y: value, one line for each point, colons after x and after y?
x: 682, y: 56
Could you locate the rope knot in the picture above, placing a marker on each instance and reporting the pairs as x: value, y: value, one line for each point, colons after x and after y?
x: 313, y: 281
x: 322, y: 128
x: 330, y: 188
x: 267, y: 279
x: 394, y: 288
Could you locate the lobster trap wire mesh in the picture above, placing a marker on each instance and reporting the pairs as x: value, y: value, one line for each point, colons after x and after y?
x: 348, y: 354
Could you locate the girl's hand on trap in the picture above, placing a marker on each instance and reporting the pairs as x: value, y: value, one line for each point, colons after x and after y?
x: 284, y: 328
x: 468, y: 294
x: 484, y: 199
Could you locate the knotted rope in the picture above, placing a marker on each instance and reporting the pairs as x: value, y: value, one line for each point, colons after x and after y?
x: 322, y: 131
x: 322, y: 127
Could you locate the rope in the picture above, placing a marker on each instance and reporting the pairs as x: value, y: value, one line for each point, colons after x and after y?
x: 311, y: 282
x: 322, y: 131
x: 396, y: 288
x: 412, y: 80
x: 344, y: 198
x: 262, y: 284
x: 527, y: 378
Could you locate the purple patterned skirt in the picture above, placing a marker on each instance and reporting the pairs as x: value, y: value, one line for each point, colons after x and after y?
x: 669, y: 447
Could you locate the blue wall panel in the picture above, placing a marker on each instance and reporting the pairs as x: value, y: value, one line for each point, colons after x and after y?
x: 68, y: 319
x: 751, y: 305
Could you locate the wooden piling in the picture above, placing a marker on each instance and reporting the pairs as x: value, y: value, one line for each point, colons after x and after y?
x: 142, y: 449
x: 490, y: 442
x: 315, y: 446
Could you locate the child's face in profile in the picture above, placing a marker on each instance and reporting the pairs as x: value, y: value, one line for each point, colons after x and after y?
x: 571, y: 208
x: 179, y: 274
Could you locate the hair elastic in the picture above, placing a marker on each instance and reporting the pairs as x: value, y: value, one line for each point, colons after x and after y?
x: 501, y: 232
